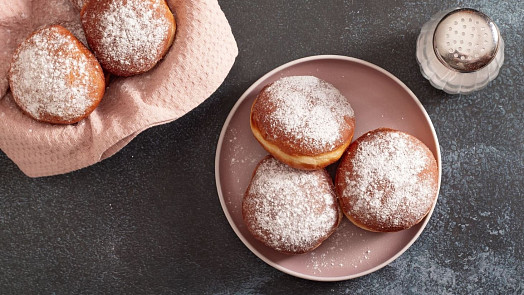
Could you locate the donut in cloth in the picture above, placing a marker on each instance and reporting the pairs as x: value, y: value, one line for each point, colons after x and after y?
x: 290, y: 210
x: 128, y: 37
x: 303, y: 121
x: 54, y: 78
x: 387, y: 181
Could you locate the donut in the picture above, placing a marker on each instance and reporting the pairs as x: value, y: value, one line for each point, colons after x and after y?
x: 54, y: 78
x: 290, y: 210
x: 302, y: 121
x: 387, y: 181
x: 128, y: 37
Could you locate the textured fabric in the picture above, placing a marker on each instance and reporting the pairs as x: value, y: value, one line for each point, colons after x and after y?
x: 202, y: 54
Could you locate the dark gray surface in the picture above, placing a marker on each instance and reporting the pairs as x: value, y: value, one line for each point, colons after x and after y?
x: 148, y: 220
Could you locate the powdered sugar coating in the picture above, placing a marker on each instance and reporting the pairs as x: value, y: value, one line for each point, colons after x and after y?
x: 290, y: 210
x: 311, y: 114
x: 51, y: 77
x: 389, y: 180
x: 127, y: 35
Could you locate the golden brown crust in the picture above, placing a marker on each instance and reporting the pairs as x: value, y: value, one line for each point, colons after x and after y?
x: 302, y: 144
x: 128, y: 37
x: 296, y: 160
x: 63, y: 49
x: 387, y: 181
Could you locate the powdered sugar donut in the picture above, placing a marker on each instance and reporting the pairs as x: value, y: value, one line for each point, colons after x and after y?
x: 128, y: 37
x: 290, y: 210
x: 303, y: 121
x: 387, y: 181
x: 54, y: 78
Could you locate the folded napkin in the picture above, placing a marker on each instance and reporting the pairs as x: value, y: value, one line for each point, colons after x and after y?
x: 200, y: 58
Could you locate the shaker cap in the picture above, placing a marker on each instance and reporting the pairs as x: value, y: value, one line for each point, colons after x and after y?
x: 466, y: 40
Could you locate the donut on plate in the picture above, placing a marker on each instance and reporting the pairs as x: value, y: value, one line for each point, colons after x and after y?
x: 290, y: 210
x: 128, y: 37
x: 303, y: 121
x: 387, y: 181
x: 54, y: 78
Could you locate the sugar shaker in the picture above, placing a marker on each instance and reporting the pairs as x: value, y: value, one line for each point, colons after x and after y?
x: 460, y: 50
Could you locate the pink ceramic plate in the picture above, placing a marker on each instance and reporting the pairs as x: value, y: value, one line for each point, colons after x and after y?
x: 379, y: 100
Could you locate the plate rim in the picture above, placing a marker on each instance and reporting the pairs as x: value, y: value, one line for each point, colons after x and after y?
x: 218, y: 151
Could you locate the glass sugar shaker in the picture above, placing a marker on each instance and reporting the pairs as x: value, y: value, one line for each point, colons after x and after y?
x: 460, y: 50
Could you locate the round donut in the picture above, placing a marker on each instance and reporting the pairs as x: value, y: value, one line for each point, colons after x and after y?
x: 128, y: 37
x: 290, y: 210
x: 54, y: 78
x: 387, y: 181
x: 303, y: 121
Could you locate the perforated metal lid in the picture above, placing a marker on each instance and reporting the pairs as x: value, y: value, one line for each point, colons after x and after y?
x: 466, y: 40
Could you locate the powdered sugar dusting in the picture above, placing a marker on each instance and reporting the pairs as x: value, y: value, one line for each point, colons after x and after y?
x: 131, y: 32
x: 386, y: 185
x: 309, y: 110
x: 346, y: 250
x: 49, y: 77
x: 292, y: 209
